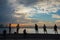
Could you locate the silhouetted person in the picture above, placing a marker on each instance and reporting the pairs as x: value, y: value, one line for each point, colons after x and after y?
x: 55, y: 29
x: 15, y: 33
x: 44, y: 27
x: 17, y: 28
x: 24, y: 31
x: 9, y: 28
x: 36, y: 27
x: 4, y: 32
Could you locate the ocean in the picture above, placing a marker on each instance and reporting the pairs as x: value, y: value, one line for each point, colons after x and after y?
x: 30, y: 30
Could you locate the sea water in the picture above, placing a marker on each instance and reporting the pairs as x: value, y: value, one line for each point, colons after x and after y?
x: 30, y: 30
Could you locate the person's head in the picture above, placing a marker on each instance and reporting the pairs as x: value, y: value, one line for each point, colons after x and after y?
x: 35, y: 24
x: 24, y: 29
x: 44, y: 25
x: 18, y: 25
x: 9, y: 25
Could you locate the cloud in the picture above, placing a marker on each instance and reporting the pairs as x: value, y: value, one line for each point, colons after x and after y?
x: 55, y: 16
x: 21, y: 18
x: 37, y: 6
x: 27, y: 2
x: 41, y: 23
x: 47, y: 6
x: 57, y: 21
x: 5, y: 11
x: 20, y: 11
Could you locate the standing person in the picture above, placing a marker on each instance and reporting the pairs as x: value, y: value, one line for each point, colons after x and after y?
x: 44, y: 27
x: 24, y: 31
x: 36, y: 27
x: 55, y: 29
x: 9, y: 28
x: 4, y: 32
x: 17, y: 28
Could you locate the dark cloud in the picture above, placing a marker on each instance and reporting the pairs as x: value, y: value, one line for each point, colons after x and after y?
x: 27, y: 2
x: 22, y: 19
x: 5, y: 11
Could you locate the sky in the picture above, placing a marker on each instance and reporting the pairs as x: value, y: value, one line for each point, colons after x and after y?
x: 30, y: 12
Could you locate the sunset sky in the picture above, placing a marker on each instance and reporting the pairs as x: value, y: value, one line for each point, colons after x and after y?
x: 30, y: 12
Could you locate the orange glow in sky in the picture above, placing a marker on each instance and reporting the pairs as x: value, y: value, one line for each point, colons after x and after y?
x: 21, y: 25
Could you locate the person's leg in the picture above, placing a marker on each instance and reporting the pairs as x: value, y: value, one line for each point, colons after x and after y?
x: 46, y: 31
x: 56, y: 32
x: 17, y: 30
